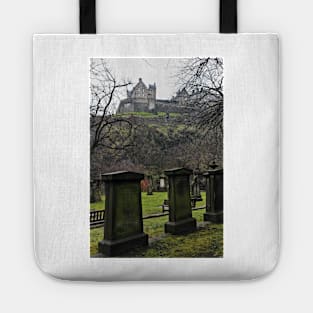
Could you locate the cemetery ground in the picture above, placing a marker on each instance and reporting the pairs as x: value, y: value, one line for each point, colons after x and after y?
x: 207, y: 241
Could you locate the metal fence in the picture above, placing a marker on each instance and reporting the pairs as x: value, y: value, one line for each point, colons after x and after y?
x: 96, y: 218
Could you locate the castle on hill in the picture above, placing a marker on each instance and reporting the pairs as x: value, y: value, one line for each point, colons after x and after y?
x: 143, y: 99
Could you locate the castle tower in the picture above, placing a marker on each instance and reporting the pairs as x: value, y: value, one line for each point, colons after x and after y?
x: 139, y: 99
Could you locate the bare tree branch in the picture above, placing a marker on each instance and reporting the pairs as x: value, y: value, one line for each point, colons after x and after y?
x: 203, y: 80
x: 106, y: 129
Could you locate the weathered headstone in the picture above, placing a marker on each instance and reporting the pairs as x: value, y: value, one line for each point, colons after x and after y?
x: 180, y: 213
x: 162, y: 183
x: 150, y: 186
x: 214, y: 196
x: 123, y: 226
x: 195, y: 189
x: 95, y: 190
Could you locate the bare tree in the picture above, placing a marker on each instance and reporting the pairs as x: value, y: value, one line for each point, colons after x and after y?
x: 203, y: 78
x: 107, y: 130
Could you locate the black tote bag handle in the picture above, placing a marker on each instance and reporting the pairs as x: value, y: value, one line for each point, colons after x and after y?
x: 228, y: 16
x: 87, y: 16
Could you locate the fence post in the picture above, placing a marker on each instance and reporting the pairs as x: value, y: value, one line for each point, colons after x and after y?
x: 123, y: 225
x: 180, y: 212
x: 214, y: 196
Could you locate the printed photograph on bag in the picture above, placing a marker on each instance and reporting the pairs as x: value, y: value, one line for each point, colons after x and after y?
x: 156, y: 157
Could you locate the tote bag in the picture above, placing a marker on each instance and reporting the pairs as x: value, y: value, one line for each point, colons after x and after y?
x: 156, y: 157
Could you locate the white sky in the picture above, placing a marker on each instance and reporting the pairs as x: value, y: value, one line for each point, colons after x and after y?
x: 152, y: 70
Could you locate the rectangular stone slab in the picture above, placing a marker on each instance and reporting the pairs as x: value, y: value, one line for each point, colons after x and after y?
x: 214, y: 195
x: 180, y: 212
x: 179, y: 199
x: 126, y: 214
x: 111, y: 248
x: 185, y: 226
x: 123, y: 226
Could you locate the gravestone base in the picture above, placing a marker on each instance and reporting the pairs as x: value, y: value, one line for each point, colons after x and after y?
x: 113, y: 248
x: 216, y: 217
x: 188, y: 225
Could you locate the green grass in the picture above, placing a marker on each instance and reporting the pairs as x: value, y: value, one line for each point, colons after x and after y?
x: 97, y: 206
x: 150, y: 204
x: 206, y: 242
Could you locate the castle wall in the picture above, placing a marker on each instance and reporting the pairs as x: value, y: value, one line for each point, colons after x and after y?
x: 158, y: 106
x: 168, y: 107
x: 126, y: 107
x: 141, y: 107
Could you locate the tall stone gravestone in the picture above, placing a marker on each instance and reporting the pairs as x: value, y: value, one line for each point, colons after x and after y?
x: 214, y: 196
x: 123, y: 226
x: 95, y: 190
x: 195, y: 189
x: 150, y: 186
x: 180, y: 212
x: 162, y: 186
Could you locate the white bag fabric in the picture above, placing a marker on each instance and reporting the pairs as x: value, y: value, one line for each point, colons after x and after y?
x: 251, y: 154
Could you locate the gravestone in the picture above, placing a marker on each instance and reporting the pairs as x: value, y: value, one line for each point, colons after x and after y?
x: 123, y: 226
x: 162, y: 185
x: 180, y: 213
x: 150, y: 186
x: 214, y: 196
x: 95, y: 190
x: 195, y: 189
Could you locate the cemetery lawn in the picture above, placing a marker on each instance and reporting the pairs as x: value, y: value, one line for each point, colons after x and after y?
x: 206, y: 242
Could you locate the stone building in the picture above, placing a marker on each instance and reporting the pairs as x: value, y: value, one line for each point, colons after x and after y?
x: 143, y: 99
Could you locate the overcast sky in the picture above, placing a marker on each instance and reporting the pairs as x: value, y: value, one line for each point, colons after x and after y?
x: 152, y: 70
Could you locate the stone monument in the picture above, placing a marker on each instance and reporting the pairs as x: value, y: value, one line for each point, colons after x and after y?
x: 123, y: 226
x: 180, y: 213
x: 195, y: 188
x: 214, y: 196
x: 95, y: 190
x: 162, y: 183
x: 150, y: 186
